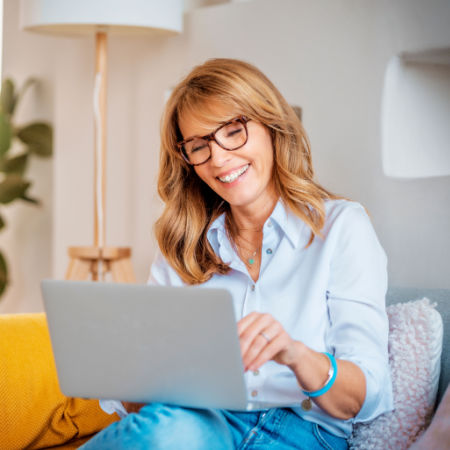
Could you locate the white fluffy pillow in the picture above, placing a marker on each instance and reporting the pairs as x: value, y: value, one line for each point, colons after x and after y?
x: 415, y: 345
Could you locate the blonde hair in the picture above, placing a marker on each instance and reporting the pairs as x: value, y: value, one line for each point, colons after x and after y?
x: 190, y: 205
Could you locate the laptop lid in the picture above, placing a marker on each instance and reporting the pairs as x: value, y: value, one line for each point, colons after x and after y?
x: 142, y: 343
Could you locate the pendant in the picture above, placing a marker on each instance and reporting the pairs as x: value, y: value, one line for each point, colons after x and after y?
x: 306, y: 404
x: 251, y: 260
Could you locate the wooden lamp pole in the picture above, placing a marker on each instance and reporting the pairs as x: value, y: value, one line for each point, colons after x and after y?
x: 96, y: 261
x: 83, y: 17
x: 100, y: 139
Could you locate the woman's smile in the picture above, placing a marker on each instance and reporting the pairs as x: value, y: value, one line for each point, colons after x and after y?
x: 233, y: 175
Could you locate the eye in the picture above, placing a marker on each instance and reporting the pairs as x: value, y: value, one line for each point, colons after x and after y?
x: 196, y: 145
x: 233, y: 130
x: 198, y: 148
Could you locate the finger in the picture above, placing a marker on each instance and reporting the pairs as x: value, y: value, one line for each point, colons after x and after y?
x: 251, y: 333
x: 243, y: 324
x: 258, y: 339
x: 269, y: 352
x: 253, y: 350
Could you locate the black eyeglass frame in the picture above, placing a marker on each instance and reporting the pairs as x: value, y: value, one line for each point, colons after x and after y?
x: 212, y: 137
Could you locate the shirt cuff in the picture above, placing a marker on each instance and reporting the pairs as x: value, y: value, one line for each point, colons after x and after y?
x: 378, y: 398
x: 113, y: 406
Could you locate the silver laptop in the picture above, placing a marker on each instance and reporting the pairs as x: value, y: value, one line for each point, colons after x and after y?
x: 146, y: 343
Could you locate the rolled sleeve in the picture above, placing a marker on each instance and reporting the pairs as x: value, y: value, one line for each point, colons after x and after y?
x: 356, y: 303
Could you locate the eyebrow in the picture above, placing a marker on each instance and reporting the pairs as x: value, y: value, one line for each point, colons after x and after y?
x: 201, y: 136
x: 218, y: 125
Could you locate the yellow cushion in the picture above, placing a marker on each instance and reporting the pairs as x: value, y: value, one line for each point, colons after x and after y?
x: 33, y: 411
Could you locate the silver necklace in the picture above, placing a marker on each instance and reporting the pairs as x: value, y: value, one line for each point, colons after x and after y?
x: 252, y: 258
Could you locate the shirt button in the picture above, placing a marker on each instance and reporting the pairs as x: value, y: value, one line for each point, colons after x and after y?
x: 253, y: 287
x: 269, y: 251
x: 256, y: 372
x: 269, y: 223
x: 254, y: 393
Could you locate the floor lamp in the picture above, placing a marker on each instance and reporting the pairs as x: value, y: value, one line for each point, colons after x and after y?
x: 100, y: 18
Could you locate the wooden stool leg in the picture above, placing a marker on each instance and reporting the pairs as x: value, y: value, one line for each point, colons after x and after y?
x: 117, y: 272
x: 128, y: 268
x: 71, y: 269
x: 79, y: 269
x: 122, y: 271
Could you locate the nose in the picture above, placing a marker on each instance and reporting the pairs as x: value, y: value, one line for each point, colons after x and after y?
x: 219, y: 156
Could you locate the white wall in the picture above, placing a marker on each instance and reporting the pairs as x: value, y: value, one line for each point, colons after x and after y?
x: 328, y: 57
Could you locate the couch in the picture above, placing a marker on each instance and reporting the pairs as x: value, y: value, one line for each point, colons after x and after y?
x: 35, y: 414
x: 33, y: 411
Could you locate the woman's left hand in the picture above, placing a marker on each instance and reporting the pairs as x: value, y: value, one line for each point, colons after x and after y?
x: 262, y: 339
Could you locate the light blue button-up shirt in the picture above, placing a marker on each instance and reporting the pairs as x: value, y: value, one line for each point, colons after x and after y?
x: 330, y: 296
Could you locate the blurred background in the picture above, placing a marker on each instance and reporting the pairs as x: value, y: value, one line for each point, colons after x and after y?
x: 333, y: 58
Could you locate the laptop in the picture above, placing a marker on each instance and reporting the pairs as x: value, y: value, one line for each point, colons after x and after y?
x: 142, y: 343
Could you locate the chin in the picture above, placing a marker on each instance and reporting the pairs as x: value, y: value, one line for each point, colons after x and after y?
x: 239, y: 201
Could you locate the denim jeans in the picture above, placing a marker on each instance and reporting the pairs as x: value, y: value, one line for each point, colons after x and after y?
x: 159, y: 426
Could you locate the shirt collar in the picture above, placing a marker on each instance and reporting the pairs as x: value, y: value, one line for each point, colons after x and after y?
x: 295, y: 229
x: 217, y: 233
x: 218, y: 224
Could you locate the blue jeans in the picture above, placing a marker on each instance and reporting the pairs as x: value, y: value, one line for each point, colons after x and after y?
x: 159, y: 426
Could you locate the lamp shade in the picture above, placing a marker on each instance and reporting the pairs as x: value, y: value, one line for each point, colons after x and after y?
x: 114, y: 16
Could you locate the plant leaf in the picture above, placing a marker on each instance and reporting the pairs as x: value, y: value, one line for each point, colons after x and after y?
x: 32, y: 200
x: 16, y: 165
x: 7, y: 98
x: 5, y: 133
x: 13, y: 187
x: 3, y: 274
x: 39, y: 138
x: 29, y: 82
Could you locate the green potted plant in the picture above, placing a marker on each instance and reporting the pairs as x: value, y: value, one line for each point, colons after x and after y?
x: 17, y: 145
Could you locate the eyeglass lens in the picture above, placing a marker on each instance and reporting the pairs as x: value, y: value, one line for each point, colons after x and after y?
x: 230, y: 137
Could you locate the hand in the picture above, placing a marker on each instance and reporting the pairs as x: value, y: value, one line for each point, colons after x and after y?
x: 262, y: 339
x: 132, y: 407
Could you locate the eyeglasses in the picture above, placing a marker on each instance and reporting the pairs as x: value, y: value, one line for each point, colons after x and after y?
x: 230, y: 136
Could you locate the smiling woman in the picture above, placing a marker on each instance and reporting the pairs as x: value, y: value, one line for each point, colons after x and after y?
x: 304, y: 267
x: 210, y: 96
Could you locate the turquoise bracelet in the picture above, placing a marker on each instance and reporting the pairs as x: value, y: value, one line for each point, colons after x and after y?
x: 332, y: 373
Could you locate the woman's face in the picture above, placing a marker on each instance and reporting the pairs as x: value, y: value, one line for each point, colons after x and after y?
x: 242, y: 177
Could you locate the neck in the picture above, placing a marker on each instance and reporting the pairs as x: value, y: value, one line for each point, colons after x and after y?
x: 252, y: 218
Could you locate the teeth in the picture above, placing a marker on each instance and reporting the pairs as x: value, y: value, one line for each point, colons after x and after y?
x: 234, y: 175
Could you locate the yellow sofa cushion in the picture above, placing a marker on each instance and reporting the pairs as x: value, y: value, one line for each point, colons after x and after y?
x: 33, y: 411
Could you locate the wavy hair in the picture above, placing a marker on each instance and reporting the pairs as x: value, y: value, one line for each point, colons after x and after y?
x: 190, y: 204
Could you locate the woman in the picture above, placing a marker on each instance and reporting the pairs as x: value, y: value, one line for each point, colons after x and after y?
x: 304, y: 267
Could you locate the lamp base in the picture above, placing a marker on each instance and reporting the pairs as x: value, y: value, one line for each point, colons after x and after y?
x: 95, y: 262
